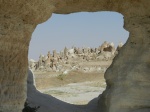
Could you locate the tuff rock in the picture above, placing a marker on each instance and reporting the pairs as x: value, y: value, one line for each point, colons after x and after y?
x: 128, y: 78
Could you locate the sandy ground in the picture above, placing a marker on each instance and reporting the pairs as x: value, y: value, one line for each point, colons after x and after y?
x: 73, y: 88
x: 76, y: 93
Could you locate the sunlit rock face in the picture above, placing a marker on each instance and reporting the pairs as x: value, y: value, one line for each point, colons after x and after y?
x: 128, y: 78
x: 18, y: 20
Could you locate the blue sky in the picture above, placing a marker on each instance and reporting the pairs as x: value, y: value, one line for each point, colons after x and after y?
x: 78, y: 29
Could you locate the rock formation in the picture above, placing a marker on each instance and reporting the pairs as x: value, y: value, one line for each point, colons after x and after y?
x: 73, y: 59
x: 128, y: 87
x: 119, y: 47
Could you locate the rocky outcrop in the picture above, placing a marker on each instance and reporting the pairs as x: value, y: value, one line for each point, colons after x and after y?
x: 128, y: 77
x: 128, y: 87
x: 76, y: 59
x: 14, y: 42
x: 18, y: 20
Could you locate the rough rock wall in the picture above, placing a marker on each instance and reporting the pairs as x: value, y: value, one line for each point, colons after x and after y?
x: 18, y: 19
x: 14, y: 42
x: 127, y: 78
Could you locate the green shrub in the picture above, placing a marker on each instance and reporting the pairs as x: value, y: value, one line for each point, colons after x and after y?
x: 60, y: 77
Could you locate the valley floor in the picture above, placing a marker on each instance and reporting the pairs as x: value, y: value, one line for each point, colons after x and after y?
x: 74, y: 88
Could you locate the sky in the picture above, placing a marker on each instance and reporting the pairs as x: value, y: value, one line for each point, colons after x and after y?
x: 84, y: 29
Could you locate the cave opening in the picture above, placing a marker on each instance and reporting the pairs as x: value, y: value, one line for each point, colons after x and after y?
x: 78, y: 30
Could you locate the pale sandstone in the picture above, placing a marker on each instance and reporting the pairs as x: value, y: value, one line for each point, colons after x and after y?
x: 128, y: 85
x: 74, y: 59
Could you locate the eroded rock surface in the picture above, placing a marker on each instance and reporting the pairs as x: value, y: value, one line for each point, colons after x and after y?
x: 76, y: 59
x: 128, y: 85
x: 128, y: 77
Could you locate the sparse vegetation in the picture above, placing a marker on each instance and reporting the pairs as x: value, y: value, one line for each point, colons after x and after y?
x: 57, y: 92
x: 61, y: 77
x: 71, y: 86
